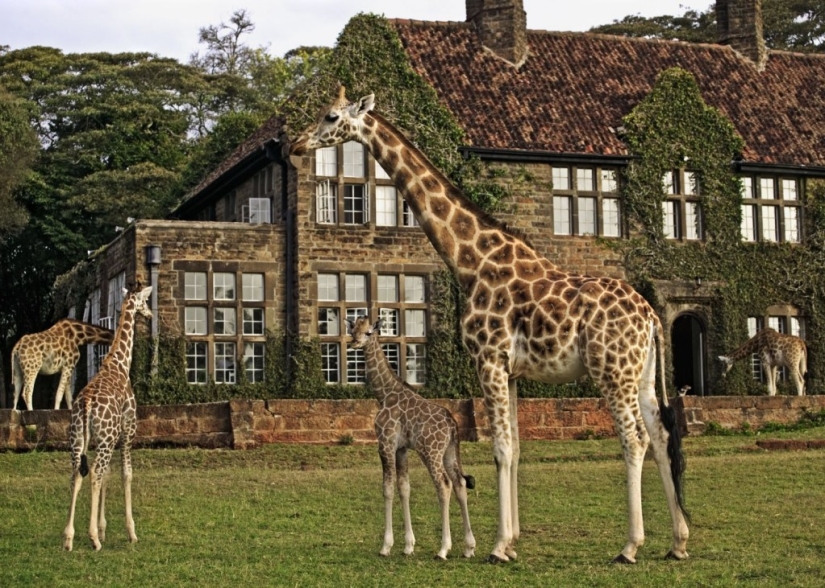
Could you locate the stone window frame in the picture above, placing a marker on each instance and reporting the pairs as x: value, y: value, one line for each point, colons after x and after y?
x: 237, y: 303
x: 603, y: 189
x: 349, y: 361
x: 683, y: 190
x: 780, y: 191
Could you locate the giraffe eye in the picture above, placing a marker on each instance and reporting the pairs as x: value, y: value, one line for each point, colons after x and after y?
x: 331, y: 117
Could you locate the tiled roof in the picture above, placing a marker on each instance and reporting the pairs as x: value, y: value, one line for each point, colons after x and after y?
x: 574, y: 86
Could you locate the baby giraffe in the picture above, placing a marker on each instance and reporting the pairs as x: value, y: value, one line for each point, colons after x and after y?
x: 408, y: 421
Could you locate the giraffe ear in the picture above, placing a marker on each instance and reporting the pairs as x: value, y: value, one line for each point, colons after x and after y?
x: 125, y: 292
x: 377, y: 325
x: 365, y: 104
x: 145, y: 292
x: 350, y: 325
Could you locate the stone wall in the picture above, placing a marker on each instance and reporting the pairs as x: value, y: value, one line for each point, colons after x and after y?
x: 246, y: 424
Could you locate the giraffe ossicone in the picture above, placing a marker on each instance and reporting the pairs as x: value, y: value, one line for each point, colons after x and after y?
x: 775, y: 350
x: 525, y: 317
x: 54, y: 350
x: 105, y: 414
x: 408, y: 421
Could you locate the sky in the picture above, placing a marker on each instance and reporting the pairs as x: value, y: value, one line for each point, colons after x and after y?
x: 170, y: 28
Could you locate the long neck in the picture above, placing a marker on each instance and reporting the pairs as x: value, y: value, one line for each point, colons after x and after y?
x: 381, y: 376
x: 752, y: 345
x: 462, y: 234
x: 86, y: 333
x: 120, y: 355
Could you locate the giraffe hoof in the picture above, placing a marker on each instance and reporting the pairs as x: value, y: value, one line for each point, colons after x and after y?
x: 623, y: 559
x: 497, y: 559
x: 439, y: 557
x: 676, y: 556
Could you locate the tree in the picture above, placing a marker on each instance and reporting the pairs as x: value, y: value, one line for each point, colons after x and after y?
x: 795, y: 25
x: 18, y: 151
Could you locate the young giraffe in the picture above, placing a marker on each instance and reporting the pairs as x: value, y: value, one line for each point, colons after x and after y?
x: 527, y: 318
x: 408, y: 421
x: 53, y: 350
x: 775, y: 350
x: 105, y: 414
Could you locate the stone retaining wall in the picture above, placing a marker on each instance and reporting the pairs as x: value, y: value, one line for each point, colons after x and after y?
x: 245, y: 424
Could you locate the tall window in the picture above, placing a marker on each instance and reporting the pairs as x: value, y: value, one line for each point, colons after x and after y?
x: 398, y: 299
x: 225, y: 363
x: 342, y: 193
x: 386, y: 205
x: 585, y: 201
x: 196, y: 362
x: 253, y: 361
x: 771, y: 209
x: 682, y: 209
x: 356, y: 204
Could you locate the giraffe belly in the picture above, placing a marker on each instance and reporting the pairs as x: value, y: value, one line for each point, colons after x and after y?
x: 563, y: 368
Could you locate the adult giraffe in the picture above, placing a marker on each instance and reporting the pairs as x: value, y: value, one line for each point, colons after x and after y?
x: 527, y: 318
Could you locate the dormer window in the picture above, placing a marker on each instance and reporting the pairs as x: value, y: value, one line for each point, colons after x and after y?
x: 585, y: 201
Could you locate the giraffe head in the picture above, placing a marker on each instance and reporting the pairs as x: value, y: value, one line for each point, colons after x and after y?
x: 727, y: 362
x: 361, y: 331
x: 140, y: 298
x: 340, y: 122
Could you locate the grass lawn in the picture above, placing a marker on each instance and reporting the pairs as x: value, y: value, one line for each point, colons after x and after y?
x: 288, y: 515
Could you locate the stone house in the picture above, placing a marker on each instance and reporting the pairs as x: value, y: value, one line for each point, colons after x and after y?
x: 294, y: 246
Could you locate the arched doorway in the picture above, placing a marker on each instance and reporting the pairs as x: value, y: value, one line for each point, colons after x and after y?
x: 688, y: 339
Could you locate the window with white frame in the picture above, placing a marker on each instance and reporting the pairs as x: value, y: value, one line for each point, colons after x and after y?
x: 585, y: 201
x: 253, y: 321
x: 398, y: 299
x: 252, y: 287
x: 195, y: 321
x: 224, y: 321
x: 195, y: 286
x: 587, y: 216
x: 196, y: 369
x: 225, y: 360
x: 326, y: 161
x: 771, y: 209
x: 682, y: 209
x: 353, y: 159
x: 356, y: 204
x: 223, y: 286
x: 260, y: 211
x: 115, y: 300
x: 356, y: 366
x: 392, y: 353
x: 326, y: 203
x: 95, y: 352
x: 416, y: 363
x: 386, y: 205
x: 562, y: 213
x: 253, y: 361
x: 782, y: 319
x: 409, y: 216
x: 338, y: 198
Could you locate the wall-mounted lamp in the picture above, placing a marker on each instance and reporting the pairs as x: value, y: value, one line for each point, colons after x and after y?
x: 698, y: 281
x: 152, y: 255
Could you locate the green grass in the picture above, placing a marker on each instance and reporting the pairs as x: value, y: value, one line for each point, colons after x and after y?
x: 289, y: 515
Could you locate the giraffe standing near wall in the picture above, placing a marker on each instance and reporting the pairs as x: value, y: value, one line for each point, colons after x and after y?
x: 56, y: 349
x: 525, y: 317
x: 408, y: 421
x: 775, y: 350
x: 105, y: 414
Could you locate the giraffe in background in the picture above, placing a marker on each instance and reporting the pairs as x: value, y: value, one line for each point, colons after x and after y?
x: 775, y: 350
x: 105, y: 414
x: 525, y: 317
x: 408, y: 421
x: 53, y: 350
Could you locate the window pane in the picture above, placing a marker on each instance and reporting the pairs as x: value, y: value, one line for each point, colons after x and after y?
x: 356, y: 366
x: 769, y: 232
x: 329, y: 362
x: 224, y: 287
x: 756, y: 365
x: 386, y: 208
x: 584, y: 179
x: 387, y: 288
x: 791, y: 224
x: 195, y: 288
x: 693, y: 220
x: 354, y: 206
x: 414, y: 323
x: 196, y: 363
x: 259, y: 211
x: 669, y: 220
x: 389, y: 325
x: 561, y: 215
x: 253, y: 287
x: 747, y: 187
x: 789, y: 189
x: 748, y: 223
x: 561, y: 178
x: 409, y: 217
x: 610, y: 217
x: 253, y: 321
x: 326, y: 161
x: 328, y: 322
x: 225, y: 321
x: 225, y: 363
x: 767, y: 191
x: 796, y: 327
x: 195, y: 320
x: 691, y: 183
x: 328, y: 287
x: 414, y: 289
x: 326, y: 202
x: 393, y: 354
x: 380, y: 172
x: 668, y: 183
x: 609, y: 183
x: 777, y: 323
x: 416, y: 363
x: 253, y: 361
x: 353, y: 314
x: 356, y: 288
x: 587, y: 216
x: 353, y: 160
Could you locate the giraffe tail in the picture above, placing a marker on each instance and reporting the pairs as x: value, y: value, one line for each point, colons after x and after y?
x: 16, y: 375
x: 470, y: 481
x: 87, y: 427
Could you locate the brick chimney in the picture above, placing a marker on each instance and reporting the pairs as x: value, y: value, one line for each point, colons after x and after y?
x: 739, y: 24
x: 501, y: 27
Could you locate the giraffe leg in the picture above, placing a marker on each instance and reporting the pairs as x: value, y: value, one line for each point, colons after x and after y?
x: 510, y: 551
x: 64, y: 388
x: 494, y: 383
x: 28, y: 390
x: 460, y: 491
x: 126, y: 459
x: 799, y: 381
x: 443, y: 488
x: 387, y: 467
x: 99, y: 470
x: 772, y: 374
x: 403, y: 474
x: 101, y: 517
x: 68, y: 532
